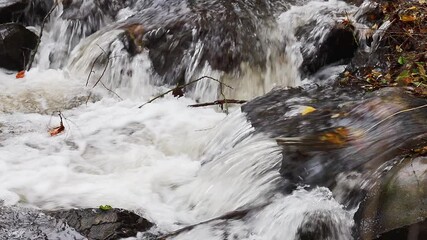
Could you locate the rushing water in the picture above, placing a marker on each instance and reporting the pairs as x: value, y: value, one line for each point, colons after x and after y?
x: 172, y: 164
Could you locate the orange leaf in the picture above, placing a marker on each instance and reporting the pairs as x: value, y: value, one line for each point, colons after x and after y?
x: 20, y: 74
x: 57, y: 130
x: 408, y: 18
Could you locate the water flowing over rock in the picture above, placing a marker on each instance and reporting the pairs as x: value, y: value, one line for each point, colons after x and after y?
x: 307, y: 157
x: 16, y: 45
x: 347, y: 141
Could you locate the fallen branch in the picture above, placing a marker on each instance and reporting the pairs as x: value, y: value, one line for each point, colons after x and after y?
x: 33, y: 55
x: 219, y: 102
x: 237, y: 214
x: 178, y: 88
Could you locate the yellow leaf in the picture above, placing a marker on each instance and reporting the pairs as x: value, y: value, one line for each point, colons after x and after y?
x: 413, y: 8
x: 422, y: 1
x: 307, y: 109
x: 408, y: 18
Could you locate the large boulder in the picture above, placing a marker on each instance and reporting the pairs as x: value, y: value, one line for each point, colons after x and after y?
x: 184, y: 36
x: 326, y: 132
x: 16, y: 45
x: 395, y: 202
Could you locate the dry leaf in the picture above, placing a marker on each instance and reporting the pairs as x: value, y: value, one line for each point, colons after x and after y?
x: 307, y: 109
x: 20, y: 74
x: 56, y: 131
x: 408, y: 18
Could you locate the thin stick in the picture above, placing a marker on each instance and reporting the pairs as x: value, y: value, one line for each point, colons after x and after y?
x: 100, y: 77
x: 91, y: 69
x: 30, y: 63
x: 182, y: 86
x: 111, y: 91
x: 219, y: 102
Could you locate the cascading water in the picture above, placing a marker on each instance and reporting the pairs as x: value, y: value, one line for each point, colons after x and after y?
x: 175, y: 165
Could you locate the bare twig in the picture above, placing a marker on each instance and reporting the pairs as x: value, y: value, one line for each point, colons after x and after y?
x: 219, y: 102
x: 102, y: 74
x: 30, y: 63
x: 182, y: 86
x: 91, y: 69
x: 111, y: 91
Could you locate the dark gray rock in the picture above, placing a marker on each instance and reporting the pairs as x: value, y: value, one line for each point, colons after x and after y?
x: 396, y: 203
x: 27, y: 12
x: 319, y: 225
x: 16, y: 44
x: 222, y: 33
x: 339, y: 45
x: 11, y: 9
x: 22, y: 223
x: 343, y: 135
x: 417, y: 231
x: 103, y: 225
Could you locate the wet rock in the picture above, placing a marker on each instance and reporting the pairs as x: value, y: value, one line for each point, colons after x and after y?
x: 343, y: 133
x: 320, y: 225
x: 24, y: 11
x: 183, y: 37
x: 339, y: 45
x: 396, y: 204
x: 415, y: 231
x: 16, y: 44
x: 22, y: 223
x: 93, y: 9
x: 354, y: 2
x: 106, y: 225
x: 35, y: 12
x: 11, y: 9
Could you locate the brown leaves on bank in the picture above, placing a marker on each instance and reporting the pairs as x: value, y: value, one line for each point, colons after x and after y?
x: 403, y: 50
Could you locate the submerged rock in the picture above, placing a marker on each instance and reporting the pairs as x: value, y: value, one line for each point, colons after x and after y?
x: 16, y: 45
x: 97, y: 224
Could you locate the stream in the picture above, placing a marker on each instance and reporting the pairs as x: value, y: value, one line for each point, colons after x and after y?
x: 170, y: 163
